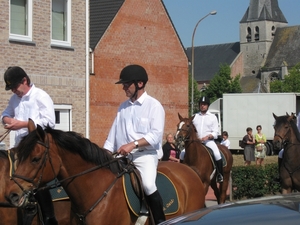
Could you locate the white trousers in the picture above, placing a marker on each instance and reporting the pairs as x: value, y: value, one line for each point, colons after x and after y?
x: 280, y: 153
x: 146, y: 162
x: 212, y: 144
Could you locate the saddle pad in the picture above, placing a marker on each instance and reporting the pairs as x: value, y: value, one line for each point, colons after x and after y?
x: 211, y: 154
x: 57, y: 193
x: 165, y: 187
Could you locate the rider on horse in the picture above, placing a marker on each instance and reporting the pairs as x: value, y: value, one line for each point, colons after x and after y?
x: 206, y: 125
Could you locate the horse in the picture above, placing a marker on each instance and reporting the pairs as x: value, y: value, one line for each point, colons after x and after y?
x: 86, y: 173
x: 287, y: 136
x: 13, y: 215
x: 198, y: 158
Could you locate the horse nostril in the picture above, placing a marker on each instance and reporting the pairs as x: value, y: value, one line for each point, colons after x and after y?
x: 14, y: 198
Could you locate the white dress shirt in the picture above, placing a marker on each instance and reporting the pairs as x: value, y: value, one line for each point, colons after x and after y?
x: 145, y: 118
x: 36, y: 105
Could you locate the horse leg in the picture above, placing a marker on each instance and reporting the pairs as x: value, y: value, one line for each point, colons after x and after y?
x: 223, y: 187
x: 214, y: 186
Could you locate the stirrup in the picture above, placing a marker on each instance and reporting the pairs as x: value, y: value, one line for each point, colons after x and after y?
x: 219, y: 178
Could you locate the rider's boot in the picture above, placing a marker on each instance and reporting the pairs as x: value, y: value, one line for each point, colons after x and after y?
x: 156, y: 205
x: 219, y: 165
x: 45, y: 201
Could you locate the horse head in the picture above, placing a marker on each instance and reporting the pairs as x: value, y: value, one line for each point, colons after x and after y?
x: 34, y: 166
x: 285, y: 127
x: 185, y: 129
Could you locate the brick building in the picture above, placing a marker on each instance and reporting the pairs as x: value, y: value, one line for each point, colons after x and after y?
x: 134, y: 32
x: 48, y: 40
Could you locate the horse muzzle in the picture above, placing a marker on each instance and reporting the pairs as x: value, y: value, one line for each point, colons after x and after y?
x: 26, y: 200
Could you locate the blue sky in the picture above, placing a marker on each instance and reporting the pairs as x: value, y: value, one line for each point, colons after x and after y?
x: 222, y: 27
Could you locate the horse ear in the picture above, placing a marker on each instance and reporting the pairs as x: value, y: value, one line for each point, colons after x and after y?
x: 40, y: 132
x: 287, y: 114
x: 180, y: 117
x: 275, y: 117
x: 31, y: 125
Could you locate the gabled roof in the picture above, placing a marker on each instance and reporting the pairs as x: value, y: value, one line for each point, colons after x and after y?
x: 260, y: 10
x: 285, y: 47
x: 102, y: 12
x: 207, y: 59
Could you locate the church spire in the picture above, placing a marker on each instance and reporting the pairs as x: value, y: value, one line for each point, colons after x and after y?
x: 259, y: 10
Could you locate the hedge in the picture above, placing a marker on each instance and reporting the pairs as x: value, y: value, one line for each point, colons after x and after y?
x: 254, y: 181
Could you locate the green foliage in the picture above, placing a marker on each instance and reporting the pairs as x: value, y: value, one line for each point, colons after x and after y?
x: 291, y: 82
x: 222, y: 82
x: 254, y: 181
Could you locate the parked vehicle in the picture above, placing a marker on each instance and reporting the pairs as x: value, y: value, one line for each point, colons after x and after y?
x: 236, y: 112
x: 275, y: 210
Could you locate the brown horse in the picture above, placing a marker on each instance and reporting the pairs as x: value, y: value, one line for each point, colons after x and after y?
x: 86, y: 172
x: 198, y: 158
x: 13, y: 215
x: 287, y: 136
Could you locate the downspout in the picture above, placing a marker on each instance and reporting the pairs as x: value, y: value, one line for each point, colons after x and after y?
x: 87, y: 78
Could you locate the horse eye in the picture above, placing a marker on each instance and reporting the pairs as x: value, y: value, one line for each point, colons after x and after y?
x: 35, y: 160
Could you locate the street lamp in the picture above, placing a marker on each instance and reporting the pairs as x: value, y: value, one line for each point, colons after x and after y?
x: 192, y: 96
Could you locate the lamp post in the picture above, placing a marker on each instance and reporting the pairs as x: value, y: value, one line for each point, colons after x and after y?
x: 192, y: 96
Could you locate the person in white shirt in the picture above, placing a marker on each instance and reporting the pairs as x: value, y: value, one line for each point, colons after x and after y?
x: 225, y: 141
x: 206, y: 125
x: 137, y: 132
x: 27, y: 102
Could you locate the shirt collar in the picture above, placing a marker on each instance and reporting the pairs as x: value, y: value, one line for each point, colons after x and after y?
x: 141, y: 99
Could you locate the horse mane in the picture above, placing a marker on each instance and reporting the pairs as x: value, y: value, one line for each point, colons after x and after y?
x: 66, y: 140
x: 284, y: 119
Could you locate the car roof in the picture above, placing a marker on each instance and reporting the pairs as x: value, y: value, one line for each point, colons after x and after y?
x: 275, y: 210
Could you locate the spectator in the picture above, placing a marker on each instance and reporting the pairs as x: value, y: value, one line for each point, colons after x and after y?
x: 171, y: 152
x: 249, y: 142
x: 225, y: 140
x: 260, y: 147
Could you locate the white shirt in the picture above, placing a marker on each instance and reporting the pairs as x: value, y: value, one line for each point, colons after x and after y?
x: 36, y: 105
x: 226, y: 143
x: 145, y: 118
x: 206, y: 124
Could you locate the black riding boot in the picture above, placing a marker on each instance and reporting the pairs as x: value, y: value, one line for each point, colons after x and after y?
x: 219, y: 165
x: 45, y: 201
x: 156, y: 205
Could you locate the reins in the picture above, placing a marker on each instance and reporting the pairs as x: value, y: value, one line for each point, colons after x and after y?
x: 2, y: 136
x: 81, y: 217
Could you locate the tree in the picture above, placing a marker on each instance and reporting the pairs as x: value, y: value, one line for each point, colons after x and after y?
x: 222, y: 82
x: 290, y: 83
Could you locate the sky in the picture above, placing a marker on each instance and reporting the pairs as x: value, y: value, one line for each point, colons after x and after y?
x: 222, y: 27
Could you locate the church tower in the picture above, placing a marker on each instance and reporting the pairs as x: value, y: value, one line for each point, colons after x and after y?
x: 257, y: 29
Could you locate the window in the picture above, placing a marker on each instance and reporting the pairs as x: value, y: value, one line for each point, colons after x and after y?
x: 61, y: 22
x: 20, y: 20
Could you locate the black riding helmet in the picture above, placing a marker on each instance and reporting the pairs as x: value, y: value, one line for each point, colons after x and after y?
x: 204, y: 99
x: 133, y: 73
x: 13, y: 76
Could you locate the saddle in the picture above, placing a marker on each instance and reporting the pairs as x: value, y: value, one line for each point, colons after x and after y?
x: 134, y: 192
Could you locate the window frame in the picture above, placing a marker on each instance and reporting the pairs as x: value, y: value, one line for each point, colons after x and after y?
x: 29, y: 13
x: 61, y: 43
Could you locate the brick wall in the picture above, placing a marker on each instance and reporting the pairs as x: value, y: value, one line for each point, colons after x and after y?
x: 141, y: 33
x: 59, y: 71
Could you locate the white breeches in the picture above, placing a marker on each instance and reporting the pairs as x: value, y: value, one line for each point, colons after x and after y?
x: 147, y: 165
x: 280, y: 153
x: 212, y: 144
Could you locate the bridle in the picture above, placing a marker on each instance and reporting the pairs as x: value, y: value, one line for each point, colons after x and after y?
x: 46, y: 155
x: 182, y: 138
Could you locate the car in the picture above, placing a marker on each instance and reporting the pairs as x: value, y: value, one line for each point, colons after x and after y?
x: 274, y: 210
